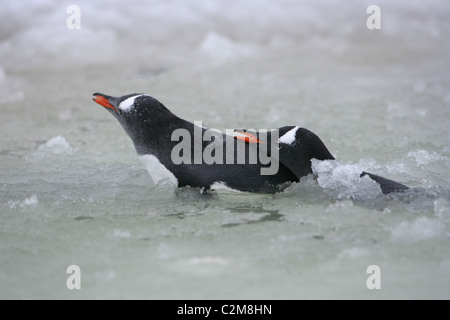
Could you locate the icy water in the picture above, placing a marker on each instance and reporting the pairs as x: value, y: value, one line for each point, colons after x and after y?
x: 73, y: 192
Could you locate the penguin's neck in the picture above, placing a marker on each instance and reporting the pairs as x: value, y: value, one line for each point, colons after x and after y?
x: 156, y: 138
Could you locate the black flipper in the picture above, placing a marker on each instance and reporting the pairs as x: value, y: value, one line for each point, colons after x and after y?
x: 387, y: 186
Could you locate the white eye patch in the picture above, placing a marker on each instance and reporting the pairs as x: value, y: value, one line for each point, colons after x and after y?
x: 128, y: 104
x: 289, y: 137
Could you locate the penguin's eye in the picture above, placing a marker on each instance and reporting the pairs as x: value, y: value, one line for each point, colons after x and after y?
x: 119, y: 111
x: 278, y: 145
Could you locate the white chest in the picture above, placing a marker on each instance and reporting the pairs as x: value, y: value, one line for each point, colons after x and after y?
x: 158, y: 172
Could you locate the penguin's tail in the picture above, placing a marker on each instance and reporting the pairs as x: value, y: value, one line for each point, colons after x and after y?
x: 387, y: 186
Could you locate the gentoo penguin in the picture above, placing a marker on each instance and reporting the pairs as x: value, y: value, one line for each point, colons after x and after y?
x: 297, y: 146
x: 151, y: 126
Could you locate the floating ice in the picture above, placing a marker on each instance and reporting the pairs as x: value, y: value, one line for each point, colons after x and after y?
x: 56, y: 145
x: 338, y: 205
x: 28, y: 202
x: 221, y: 49
x: 32, y: 201
x: 315, y: 63
x: 424, y: 157
x: 202, y: 265
x: 422, y: 228
x: 37, y: 37
x: 344, y: 181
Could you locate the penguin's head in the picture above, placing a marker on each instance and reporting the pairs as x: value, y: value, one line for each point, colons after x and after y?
x: 141, y: 115
x: 133, y: 109
x: 297, y: 147
x: 131, y: 105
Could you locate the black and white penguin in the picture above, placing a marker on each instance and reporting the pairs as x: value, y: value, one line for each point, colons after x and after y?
x: 151, y: 125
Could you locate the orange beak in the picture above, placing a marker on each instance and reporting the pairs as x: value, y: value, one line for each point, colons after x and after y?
x: 249, y: 138
x: 104, y: 102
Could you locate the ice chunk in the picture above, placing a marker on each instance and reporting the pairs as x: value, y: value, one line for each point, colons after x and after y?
x: 56, y: 145
x: 422, y: 228
x: 344, y: 181
x: 32, y: 201
x: 28, y: 202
